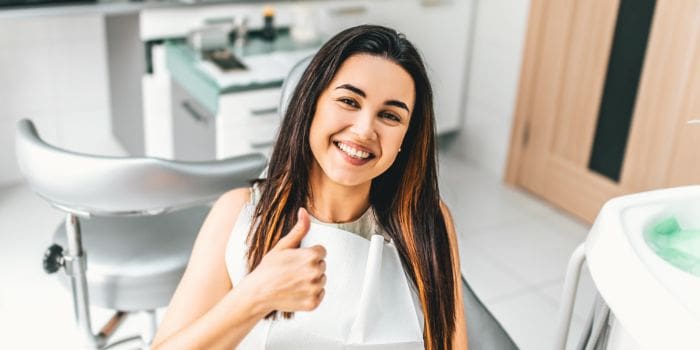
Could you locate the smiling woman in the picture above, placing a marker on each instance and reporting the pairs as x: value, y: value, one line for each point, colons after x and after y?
x: 356, y: 150
x: 359, y: 123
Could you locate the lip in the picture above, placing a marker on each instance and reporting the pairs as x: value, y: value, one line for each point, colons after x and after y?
x: 358, y: 147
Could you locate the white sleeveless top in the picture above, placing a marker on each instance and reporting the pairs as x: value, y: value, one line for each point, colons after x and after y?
x: 369, y: 302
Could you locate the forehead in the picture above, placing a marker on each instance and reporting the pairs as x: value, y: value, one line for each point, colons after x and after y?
x: 379, y: 77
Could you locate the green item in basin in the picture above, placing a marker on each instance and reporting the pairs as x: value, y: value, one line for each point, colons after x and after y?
x: 679, y: 246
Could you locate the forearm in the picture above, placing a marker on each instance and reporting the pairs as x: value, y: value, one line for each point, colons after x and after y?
x: 223, y: 327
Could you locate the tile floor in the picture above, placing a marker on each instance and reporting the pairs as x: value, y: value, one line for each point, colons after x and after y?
x: 513, y: 249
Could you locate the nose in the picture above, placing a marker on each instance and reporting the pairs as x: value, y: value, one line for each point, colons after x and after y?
x: 363, y: 126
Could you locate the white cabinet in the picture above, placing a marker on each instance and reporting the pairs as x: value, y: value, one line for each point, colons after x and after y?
x: 193, y: 127
x: 247, y: 122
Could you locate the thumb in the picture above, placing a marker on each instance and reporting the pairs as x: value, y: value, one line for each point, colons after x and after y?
x: 297, y: 233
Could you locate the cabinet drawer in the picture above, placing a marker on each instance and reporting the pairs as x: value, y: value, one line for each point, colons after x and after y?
x: 247, y: 122
x: 249, y: 105
x: 252, y: 135
x: 194, y: 127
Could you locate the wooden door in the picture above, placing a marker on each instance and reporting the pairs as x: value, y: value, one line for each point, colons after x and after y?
x: 590, y: 126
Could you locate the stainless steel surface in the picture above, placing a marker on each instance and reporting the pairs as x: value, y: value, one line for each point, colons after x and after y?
x: 209, y: 37
x: 78, y: 281
x: 103, y: 185
x: 241, y: 26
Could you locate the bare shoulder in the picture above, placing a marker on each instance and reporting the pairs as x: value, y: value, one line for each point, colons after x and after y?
x: 236, y: 197
x: 219, y: 223
x: 228, y: 206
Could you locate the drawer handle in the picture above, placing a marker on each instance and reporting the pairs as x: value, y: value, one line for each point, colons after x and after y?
x: 194, y: 114
x: 263, y: 111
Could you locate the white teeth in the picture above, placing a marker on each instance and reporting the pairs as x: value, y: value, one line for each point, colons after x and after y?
x: 352, y: 151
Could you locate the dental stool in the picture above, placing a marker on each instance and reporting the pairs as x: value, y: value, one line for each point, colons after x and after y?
x: 130, y: 225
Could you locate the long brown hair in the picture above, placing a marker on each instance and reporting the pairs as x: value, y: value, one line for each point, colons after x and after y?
x: 405, y: 198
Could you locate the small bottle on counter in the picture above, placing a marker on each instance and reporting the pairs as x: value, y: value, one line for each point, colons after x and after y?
x: 268, y: 32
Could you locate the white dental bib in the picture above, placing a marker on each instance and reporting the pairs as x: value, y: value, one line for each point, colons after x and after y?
x: 369, y: 301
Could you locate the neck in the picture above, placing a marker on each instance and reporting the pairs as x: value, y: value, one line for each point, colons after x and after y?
x: 333, y: 202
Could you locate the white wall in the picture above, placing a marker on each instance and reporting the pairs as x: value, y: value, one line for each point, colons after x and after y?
x: 53, y: 70
x: 492, y: 85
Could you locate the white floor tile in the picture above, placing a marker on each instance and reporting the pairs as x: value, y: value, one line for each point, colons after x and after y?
x: 529, y: 319
x: 585, y: 294
x: 529, y: 248
x: 489, y: 280
x: 477, y: 200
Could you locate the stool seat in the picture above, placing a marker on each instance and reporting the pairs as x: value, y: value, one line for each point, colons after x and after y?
x: 136, y: 263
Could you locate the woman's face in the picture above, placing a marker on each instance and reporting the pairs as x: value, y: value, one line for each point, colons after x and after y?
x: 361, y: 119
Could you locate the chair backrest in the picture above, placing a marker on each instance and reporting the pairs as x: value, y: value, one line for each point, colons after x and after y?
x: 290, y: 83
x: 100, y: 185
x: 483, y: 330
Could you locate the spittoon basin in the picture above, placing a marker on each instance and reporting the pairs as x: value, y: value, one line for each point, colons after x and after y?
x: 640, y: 252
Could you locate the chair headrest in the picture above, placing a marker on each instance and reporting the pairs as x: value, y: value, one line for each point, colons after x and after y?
x: 101, y: 185
x: 290, y: 83
x: 288, y: 87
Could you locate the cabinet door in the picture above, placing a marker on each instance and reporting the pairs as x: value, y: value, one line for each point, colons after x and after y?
x: 603, y: 106
x: 247, y: 122
x: 194, y: 128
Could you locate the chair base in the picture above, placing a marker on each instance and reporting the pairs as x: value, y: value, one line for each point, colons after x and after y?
x: 135, y: 263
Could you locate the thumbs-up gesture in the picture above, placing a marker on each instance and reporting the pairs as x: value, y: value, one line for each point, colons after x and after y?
x: 288, y: 277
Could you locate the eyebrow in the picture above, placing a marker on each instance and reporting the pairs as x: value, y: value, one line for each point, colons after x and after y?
x: 355, y: 89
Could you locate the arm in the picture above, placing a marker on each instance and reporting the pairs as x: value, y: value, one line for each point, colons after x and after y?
x: 205, y: 312
x: 459, y: 339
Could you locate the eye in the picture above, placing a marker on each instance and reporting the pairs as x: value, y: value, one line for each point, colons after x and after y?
x: 348, y: 101
x: 390, y: 116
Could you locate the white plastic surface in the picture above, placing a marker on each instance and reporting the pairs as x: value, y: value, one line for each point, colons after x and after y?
x: 657, y: 304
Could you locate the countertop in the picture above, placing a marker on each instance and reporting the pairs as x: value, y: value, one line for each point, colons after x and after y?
x: 268, y: 64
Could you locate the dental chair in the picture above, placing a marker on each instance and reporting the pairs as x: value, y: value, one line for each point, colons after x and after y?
x: 140, y: 217
x: 129, y: 228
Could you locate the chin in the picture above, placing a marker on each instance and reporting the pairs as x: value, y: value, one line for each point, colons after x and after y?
x: 350, y: 180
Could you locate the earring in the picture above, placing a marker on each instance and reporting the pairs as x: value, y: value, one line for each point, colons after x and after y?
x: 399, y: 149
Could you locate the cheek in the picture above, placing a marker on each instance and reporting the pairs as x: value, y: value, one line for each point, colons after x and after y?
x: 393, y: 139
x: 328, y: 120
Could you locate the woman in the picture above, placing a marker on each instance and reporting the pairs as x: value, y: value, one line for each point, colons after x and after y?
x: 356, y: 146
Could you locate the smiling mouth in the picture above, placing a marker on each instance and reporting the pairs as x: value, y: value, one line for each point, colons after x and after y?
x: 352, y: 152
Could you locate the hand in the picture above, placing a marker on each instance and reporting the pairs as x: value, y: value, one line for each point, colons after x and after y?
x: 290, y: 278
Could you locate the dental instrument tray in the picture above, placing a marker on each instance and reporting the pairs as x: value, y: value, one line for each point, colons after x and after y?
x: 224, y: 59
